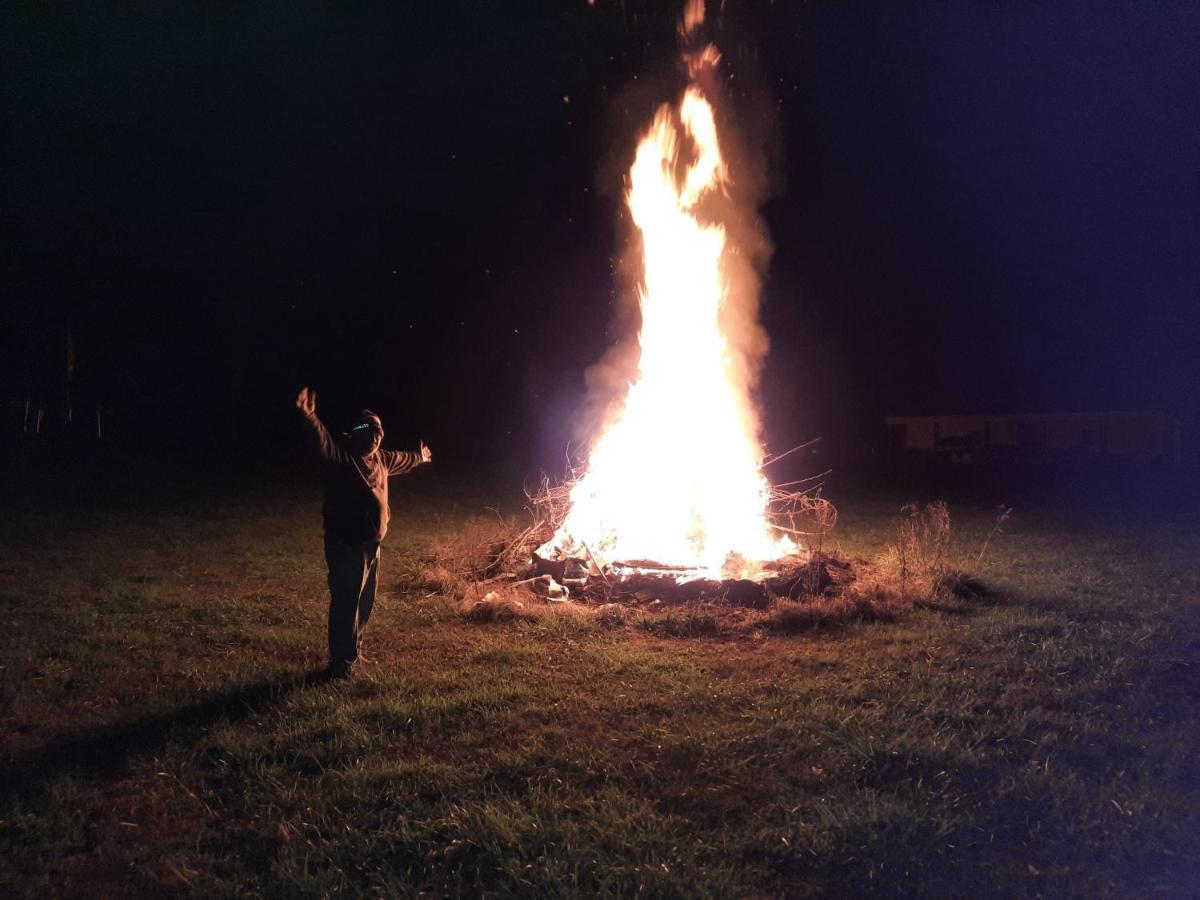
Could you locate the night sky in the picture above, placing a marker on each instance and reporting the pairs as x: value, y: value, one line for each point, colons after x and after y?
x: 975, y: 207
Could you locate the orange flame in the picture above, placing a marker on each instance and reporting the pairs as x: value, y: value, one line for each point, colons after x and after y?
x: 675, y: 477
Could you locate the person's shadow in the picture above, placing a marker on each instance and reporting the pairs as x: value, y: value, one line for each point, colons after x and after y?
x: 106, y: 751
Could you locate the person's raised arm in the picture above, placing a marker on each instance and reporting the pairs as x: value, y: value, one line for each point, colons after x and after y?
x: 306, y: 402
x: 400, y: 462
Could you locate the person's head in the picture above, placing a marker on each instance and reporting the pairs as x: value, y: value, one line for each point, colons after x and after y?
x: 366, y: 434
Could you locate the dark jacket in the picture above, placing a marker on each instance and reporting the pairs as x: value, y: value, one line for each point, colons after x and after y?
x: 356, y: 487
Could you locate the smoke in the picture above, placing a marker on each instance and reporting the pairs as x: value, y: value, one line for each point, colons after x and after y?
x: 748, y: 246
x: 746, y: 123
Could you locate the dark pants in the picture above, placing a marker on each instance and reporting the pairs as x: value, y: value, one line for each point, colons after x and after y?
x: 353, y: 569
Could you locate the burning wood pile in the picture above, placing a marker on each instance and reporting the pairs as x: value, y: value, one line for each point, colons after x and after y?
x: 642, y: 583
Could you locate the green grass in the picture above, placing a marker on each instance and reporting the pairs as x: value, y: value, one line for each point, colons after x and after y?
x: 160, y: 735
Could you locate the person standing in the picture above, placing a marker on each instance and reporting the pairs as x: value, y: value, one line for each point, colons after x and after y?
x: 356, y: 518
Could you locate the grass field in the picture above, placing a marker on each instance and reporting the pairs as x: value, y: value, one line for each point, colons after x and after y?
x: 162, y: 733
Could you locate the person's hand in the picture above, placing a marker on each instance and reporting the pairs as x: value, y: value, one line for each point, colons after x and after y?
x: 306, y: 401
x: 426, y: 453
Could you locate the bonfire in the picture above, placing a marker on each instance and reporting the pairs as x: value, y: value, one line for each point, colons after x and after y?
x: 645, y: 522
x: 643, y: 506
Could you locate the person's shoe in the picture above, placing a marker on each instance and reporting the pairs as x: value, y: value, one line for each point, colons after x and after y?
x: 338, y: 670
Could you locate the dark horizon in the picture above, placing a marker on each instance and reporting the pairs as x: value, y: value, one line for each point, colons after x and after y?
x: 973, y: 209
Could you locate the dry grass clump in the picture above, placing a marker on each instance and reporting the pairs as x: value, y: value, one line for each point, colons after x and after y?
x: 492, y: 550
x: 863, y: 592
x: 919, y: 555
x: 483, y: 604
x: 612, y: 615
x: 963, y: 585
x: 692, y: 621
x: 480, y: 550
x: 547, y: 619
x: 436, y: 577
x: 794, y: 617
x: 921, y: 560
x: 487, y: 611
x: 478, y: 554
x: 913, y: 569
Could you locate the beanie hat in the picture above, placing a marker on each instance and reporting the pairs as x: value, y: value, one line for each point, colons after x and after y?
x: 366, y: 416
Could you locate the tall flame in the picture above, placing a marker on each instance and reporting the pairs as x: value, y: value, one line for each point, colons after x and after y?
x: 675, y: 477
